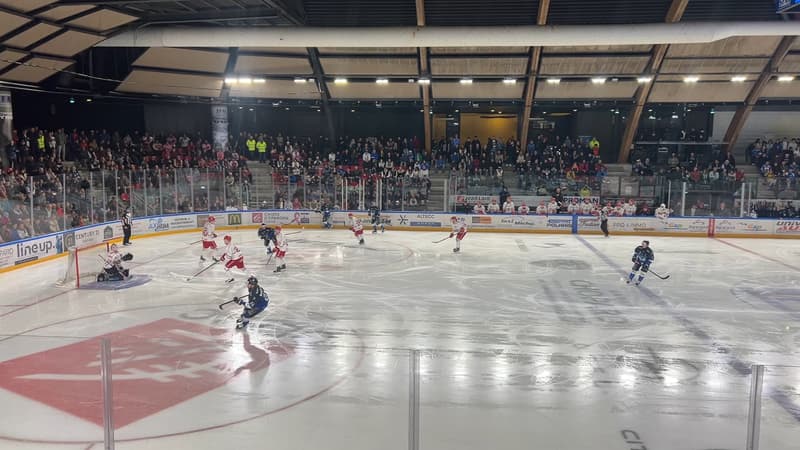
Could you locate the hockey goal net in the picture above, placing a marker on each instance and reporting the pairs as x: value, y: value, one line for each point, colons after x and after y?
x: 83, y: 264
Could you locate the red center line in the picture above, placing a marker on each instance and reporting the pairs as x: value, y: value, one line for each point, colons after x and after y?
x: 776, y: 261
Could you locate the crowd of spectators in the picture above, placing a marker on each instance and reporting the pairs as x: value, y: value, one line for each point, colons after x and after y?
x: 542, y: 160
x: 775, y: 209
x: 305, y: 170
x: 778, y: 161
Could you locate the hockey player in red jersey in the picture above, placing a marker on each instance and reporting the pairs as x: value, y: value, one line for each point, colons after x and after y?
x: 209, y: 244
x: 357, y: 228
x: 281, y: 246
x: 459, y: 231
x: 232, y: 257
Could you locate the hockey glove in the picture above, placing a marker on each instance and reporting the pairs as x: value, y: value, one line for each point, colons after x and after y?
x: 127, y: 257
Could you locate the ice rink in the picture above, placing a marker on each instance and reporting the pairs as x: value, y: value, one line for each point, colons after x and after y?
x: 522, y: 341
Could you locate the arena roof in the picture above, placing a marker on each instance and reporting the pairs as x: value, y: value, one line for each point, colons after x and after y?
x: 53, y: 45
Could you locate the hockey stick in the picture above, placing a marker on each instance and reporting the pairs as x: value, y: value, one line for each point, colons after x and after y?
x: 289, y: 234
x: 659, y: 276
x: 269, y: 260
x: 203, y: 270
x: 195, y: 242
x: 442, y: 240
x: 229, y: 302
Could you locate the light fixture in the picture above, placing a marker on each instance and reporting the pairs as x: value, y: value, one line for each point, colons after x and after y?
x: 598, y: 80
x: 72, y: 100
x: 644, y: 79
x: 287, y: 108
x: 691, y: 79
x: 340, y: 81
x: 574, y: 110
x: 674, y: 116
x: 455, y: 124
x: 739, y: 79
x: 259, y: 80
x: 424, y: 81
x: 509, y: 81
x: 465, y: 81
x: 499, y: 112
x: 458, y: 110
x: 652, y: 117
x: 411, y: 80
x: 310, y: 80
x: 785, y: 78
x: 299, y: 80
x: 252, y: 109
x: 382, y: 81
x: 245, y: 80
x: 492, y: 110
x: 352, y: 110
x: 230, y: 80
x: 553, y: 80
x: 88, y: 100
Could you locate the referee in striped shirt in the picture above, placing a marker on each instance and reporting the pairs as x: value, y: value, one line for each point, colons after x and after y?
x: 126, y: 228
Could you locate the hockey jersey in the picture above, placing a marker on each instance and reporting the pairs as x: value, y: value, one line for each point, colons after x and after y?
x: 208, y: 232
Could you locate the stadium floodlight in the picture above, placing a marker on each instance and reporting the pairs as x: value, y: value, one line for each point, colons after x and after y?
x: 739, y: 79
x: 644, y: 79
x: 691, y: 79
x: 465, y: 81
x: 785, y: 78
x: 553, y: 80
x: 509, y: 81
x: 598, y: 80
x: 340, y: 81
x: 382, y: 81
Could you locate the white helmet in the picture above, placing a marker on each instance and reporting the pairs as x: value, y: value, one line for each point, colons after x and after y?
x: 663, y: 205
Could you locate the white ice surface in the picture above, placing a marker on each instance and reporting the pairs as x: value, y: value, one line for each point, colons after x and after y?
x: 525, y: 341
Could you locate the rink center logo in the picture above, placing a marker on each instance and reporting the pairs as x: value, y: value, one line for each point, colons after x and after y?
x: 156, y: 366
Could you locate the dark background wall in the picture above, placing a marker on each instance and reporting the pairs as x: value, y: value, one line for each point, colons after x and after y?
x: 55, y: 111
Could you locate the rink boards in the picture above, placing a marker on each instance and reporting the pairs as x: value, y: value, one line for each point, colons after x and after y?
x: 30, y: 251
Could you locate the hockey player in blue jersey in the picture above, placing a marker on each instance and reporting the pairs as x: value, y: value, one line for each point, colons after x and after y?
x: 267, y: 234
x: 375, y: 216
x: 642, y: 258
x: 255, y: 302
x: 326, y: 216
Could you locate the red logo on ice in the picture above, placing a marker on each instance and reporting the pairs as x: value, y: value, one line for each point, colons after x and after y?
x: 155, y: 366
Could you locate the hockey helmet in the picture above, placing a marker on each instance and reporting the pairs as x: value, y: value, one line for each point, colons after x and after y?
x: 646, y: 243
x: 227, y: 239
x: 349, y: 214
x: 278, y: 228
x: 252, y: 281
x: 212, y: 219
x: 663, y: 205
x: 453, y: 219
x: 114, y: 248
